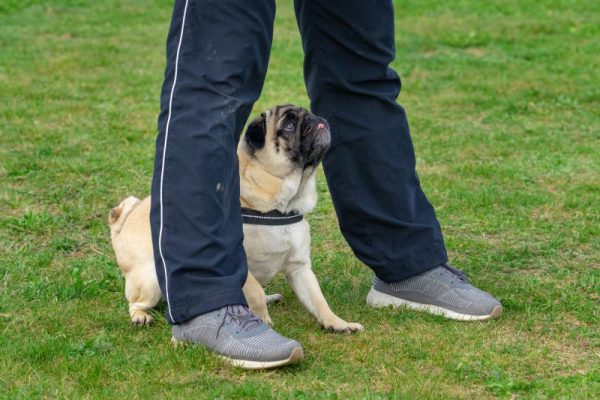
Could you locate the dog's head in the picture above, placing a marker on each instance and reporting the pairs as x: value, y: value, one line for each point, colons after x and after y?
x: 287, y: 138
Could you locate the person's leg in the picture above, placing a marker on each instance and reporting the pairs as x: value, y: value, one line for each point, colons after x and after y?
x: 217, y: 56
x: 383, y: 213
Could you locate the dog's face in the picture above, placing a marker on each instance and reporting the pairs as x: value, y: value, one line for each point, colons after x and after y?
x: 287, y: 138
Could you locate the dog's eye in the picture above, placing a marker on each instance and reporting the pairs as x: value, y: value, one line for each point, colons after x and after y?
x: 288, y: 126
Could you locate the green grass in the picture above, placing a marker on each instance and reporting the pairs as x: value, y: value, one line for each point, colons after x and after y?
x: 503, y: 100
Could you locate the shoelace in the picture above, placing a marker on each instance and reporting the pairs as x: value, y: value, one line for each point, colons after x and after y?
x: 242, y: 316
x: 461, y: 275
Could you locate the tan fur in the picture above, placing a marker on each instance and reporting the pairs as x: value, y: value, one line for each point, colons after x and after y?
x: 119, y: 214
x: 268, y: 180
x: 132, y: 242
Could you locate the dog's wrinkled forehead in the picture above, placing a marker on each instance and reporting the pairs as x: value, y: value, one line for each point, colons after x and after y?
x: 283, y: 131
x: 278, y: 113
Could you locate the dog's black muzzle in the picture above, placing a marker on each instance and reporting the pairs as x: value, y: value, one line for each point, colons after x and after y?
x: 315, y: 141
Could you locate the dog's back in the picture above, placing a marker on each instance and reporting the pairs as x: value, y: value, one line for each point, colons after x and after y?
x: 129, y: 224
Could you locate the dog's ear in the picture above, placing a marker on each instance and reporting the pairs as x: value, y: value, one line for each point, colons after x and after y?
x: 256, y: 133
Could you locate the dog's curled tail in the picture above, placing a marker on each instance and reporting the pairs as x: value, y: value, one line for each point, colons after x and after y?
x: 118, y: 215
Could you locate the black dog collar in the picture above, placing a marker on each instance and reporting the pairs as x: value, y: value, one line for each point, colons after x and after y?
x: 273, y: 217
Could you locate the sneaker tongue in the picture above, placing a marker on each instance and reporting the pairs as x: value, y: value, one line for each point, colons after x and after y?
x: 244, y: 316
x: 456, y: 272
x: 236, y: 309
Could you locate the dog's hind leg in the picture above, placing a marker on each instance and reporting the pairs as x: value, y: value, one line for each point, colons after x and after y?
x: 142, y: 293
x: 273, y: 298
x: 257, y: 300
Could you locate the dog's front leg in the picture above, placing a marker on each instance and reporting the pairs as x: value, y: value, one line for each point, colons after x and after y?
x: 307, y: 289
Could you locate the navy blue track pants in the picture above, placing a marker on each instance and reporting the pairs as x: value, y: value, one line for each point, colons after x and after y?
x: 217, y: 57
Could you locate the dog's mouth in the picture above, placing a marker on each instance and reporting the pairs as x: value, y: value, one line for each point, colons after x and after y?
x: 315, y: 141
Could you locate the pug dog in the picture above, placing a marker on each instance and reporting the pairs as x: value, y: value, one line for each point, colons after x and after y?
x: 131, y: 239
x: 278, y: 159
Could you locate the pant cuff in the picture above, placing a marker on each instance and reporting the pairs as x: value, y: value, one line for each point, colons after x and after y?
x: 420, y: 260
x: 204, y: 303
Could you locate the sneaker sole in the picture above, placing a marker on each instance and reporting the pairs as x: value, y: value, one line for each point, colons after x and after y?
x: 378, y: 299
x: 295, y: 356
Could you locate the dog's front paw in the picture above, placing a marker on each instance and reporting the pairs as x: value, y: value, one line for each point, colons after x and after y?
x: 141, y: 318
x: 338, y: 325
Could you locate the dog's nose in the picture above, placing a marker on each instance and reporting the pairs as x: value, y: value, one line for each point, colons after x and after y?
x: 322, y: 124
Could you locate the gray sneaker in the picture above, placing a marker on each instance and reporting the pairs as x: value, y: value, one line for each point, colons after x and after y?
x: 240, y: 338
x: 442, y: 291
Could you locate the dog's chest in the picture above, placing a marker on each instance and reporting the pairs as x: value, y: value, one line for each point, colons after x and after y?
x: 269, y: 249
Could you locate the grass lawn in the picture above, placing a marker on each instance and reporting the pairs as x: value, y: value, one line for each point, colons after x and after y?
x: 504, y: 103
